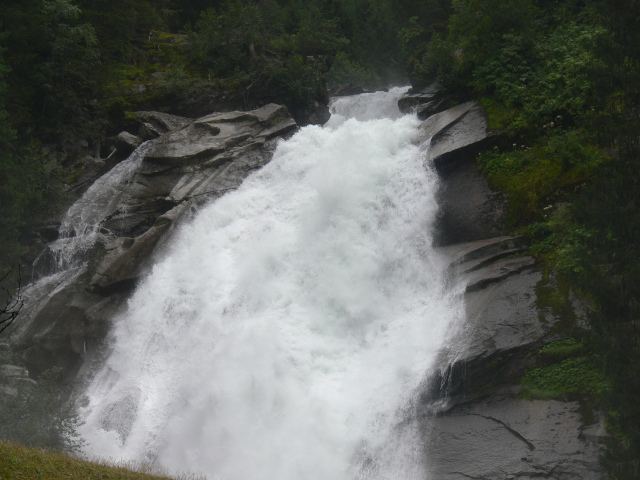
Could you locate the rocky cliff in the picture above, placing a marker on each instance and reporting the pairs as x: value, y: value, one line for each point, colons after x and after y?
x: 475, y: 423
x: 185, y: 164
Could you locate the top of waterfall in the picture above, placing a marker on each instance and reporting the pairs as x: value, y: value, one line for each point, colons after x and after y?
x: 366, y: 106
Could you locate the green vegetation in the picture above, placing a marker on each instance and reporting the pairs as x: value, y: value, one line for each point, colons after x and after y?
x: 560, y: 80
x: 30, y: 187
x: 571, y: 370
x: 70, y: 69
x: 561, y: 349
x: 543, y: 174
x: 24, y: 463
x: 579, y: 375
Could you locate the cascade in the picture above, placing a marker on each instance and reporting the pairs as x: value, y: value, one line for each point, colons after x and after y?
x: 81, y: 228
x: 288, y: 330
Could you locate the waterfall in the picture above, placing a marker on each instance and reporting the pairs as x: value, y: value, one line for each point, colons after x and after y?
x: 82, y: 226
x: 81, y: 229
x: 287, y: 332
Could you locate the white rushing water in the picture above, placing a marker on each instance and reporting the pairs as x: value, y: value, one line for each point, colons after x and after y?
x: 82, y: 226
x: 287, y: 332
x: 80, y: 230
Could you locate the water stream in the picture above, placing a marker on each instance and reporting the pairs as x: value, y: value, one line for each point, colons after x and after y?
x: 287, y: 332
x: 81, y: 229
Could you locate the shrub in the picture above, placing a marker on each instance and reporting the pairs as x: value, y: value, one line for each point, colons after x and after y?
x: 38, y: 415
x: 577, y: 375
x: 344, y: 70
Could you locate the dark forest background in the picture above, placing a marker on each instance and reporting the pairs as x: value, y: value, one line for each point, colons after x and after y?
x: 559, y: 78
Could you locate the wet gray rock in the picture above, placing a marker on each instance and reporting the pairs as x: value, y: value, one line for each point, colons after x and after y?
x: 13, y: 371
x: 124, y: 142
x: 500, y: 310
x: 214, y: 134
x: 158, y: 122
x: 124, y: 258
x: 506, y: 438
x: 148, y: 131
x: 13, y: 378
x: 469, y: 209
x: 425, y: 103
x: 453, y: 130
x: 318, y: 115
x: 189, y: 165
x: 198, y: 162
x: 473, y: 422
x: 71, y: 325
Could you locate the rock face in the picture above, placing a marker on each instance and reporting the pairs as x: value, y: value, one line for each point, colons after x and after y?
x: 190, y: 165
x: 191, y: 162
x: 505, y: 438
x: 473, y: 422
x: 425, y: 103
x: 469, y: 208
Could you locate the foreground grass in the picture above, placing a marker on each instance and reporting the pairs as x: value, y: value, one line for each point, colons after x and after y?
x: 25, y: 463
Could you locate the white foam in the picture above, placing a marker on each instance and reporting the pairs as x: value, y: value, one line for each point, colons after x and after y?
x: 287, y: 332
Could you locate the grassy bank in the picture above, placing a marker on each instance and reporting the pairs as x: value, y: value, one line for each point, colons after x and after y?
x: 24, y: 463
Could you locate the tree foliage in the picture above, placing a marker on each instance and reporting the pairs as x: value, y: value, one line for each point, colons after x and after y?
x: 561, y: 78
x: 28, y: 184
x: 67, y: 74
x: 271, y: 50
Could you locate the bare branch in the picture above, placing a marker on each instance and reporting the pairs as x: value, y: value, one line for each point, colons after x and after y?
x: 13, y: 304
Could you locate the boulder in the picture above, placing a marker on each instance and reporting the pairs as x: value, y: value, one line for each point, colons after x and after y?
x: 158, y: 121
x: 122, y: 264
x: 425, y: 103
x: 317, y: 114
x: 70, y: 326
x: 13, y: 378
x: 454, y: 130
x: 148, y: 131
x: 13, y: 371
x: 124, y: 142
x: 211, y: 135
x: 185, y: 167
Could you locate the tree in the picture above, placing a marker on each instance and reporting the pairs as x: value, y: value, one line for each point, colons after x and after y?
x: 68, y: 78
x: 13, y: 303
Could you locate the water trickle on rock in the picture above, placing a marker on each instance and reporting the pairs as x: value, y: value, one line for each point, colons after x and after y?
x: 288, y: 330
x: 82, y: 226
